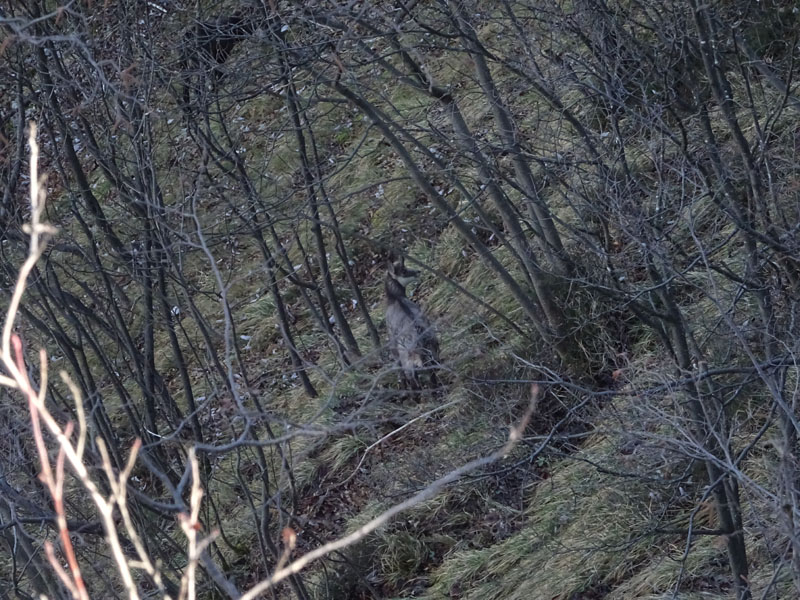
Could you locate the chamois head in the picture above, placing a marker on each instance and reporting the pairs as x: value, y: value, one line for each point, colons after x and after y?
x: 398, y: 272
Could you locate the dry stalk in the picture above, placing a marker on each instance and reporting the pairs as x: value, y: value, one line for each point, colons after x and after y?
x: 12, y: 359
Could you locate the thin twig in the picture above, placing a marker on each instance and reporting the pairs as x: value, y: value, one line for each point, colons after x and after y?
x: 515, y: 434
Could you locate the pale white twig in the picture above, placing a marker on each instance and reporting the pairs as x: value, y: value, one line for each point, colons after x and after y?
x: 15, y: 366
x: 191, y: 525
x: 38, y: 233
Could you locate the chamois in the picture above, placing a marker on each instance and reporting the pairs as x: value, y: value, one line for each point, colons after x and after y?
x: 412, y: 337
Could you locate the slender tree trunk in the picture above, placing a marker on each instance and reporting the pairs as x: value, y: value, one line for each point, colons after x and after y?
x: 341, y: 247
x: 311, y: 194
x: 707, y: 433
x: 532, y: 309
x: 539, y: 212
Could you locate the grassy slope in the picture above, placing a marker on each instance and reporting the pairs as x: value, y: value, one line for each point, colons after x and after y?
x: 579, y: 533
x: 568, y: 531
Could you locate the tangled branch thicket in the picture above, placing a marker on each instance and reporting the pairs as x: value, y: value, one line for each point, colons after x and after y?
x: 601, y: 197
x: 72, y: 450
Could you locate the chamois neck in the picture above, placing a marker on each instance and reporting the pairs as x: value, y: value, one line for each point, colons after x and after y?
x: 394, y: 289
